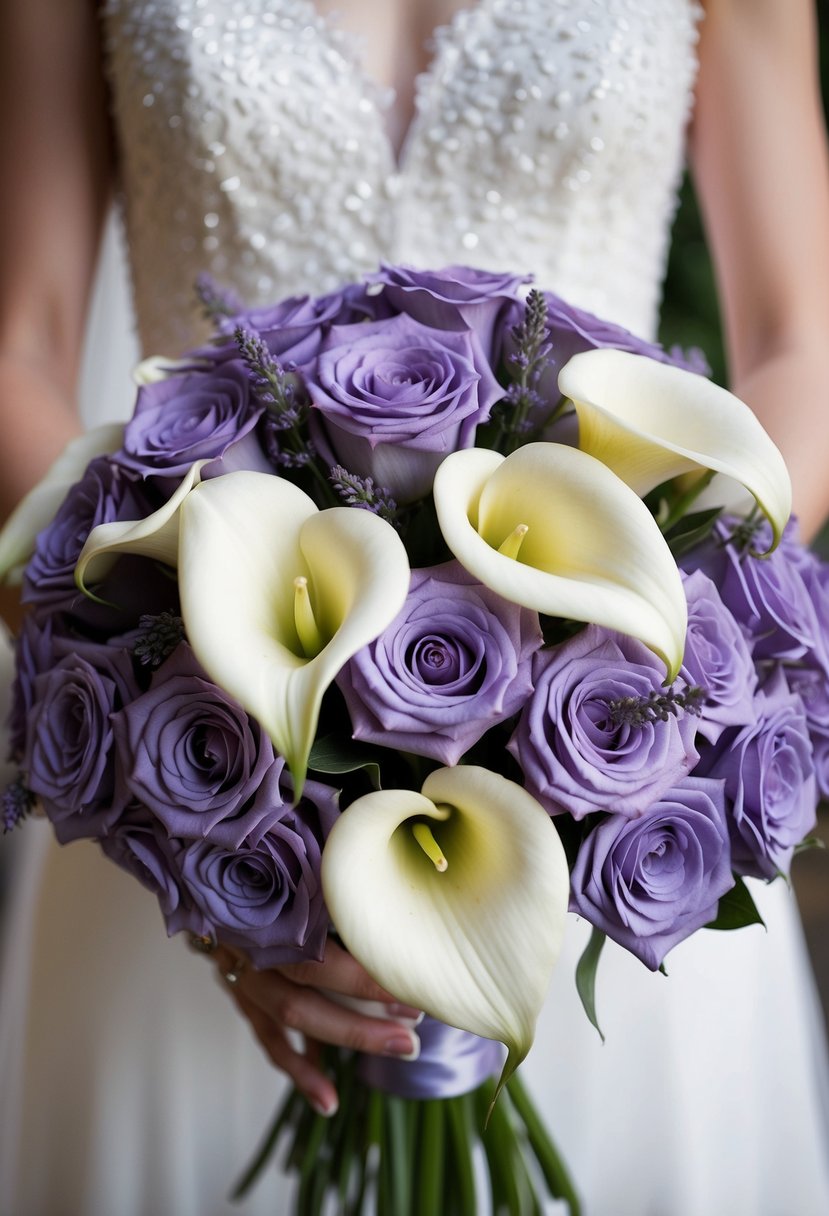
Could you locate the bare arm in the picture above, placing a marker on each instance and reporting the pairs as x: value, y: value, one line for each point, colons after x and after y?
x: 760, y: 163
x: 54, y: 149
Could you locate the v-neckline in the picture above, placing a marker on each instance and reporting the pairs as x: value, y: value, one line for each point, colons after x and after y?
x: 434, y: 43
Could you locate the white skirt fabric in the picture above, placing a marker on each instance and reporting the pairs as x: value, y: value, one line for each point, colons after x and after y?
x: 129, y: 1086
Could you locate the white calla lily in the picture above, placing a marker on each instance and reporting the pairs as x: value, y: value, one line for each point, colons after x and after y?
x: 466, y: 922
x: 277, y: 596
x: 553, y: 529
x: 649, y: 421
x: 37, y: 509
x: 155, y: 537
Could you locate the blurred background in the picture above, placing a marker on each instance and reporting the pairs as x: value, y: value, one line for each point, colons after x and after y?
x: 690, y: 317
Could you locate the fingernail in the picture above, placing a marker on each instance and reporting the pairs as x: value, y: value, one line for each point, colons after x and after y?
x: 321, y: 1108
x: 404, y: 1045
x: 395, y: 1010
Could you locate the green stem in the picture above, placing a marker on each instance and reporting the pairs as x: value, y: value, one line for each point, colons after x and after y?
x: 431, y: 1160
x: 681, y: 505
x: 555, y: 1172
x: 285, y: 1114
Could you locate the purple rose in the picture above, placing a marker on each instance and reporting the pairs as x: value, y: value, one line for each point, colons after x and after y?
x: 455, y: 297
x: 69, y: 756
x: 266, y: 898
x: 104, y: 493
x: 649, y: 883
x: 587, y: 739
x: 398, y: 396
x: 197, y: 415
x: 139, y: 845
x: 190, y: 754
x: 769, y: 780
x: 717, y: 658
x: 767, y: 595
x: 811, y: 684
x: 454, y: 662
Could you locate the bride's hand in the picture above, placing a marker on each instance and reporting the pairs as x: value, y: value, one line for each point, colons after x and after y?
x: 289, y: 998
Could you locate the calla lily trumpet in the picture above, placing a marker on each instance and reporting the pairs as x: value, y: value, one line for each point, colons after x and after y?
x: 650, y: 422
x: 453, y: 899
x: 156, y: 536
x: 553, y: 529
x: 36, y: 510
x: 277, y: 596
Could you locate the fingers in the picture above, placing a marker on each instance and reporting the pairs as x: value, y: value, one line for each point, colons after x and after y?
x: 340, y: 972
x: 299, y: 1007
x: 303, y: 1070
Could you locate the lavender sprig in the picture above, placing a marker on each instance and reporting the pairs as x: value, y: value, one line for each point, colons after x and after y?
x: 219, y: 305
x: 17, y: 804
x: 526, y: 365
x: 363, y: 493
x: 657, y: 706
x: 159, y: 637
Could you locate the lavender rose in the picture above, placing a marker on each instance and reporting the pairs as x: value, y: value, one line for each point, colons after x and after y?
x: 811, y: 684
x: 266, y: 897
x: 105, y: 493
x: 590, y: 738
x: 452, y: 298
x: 769, y: 778
x: 717, y: 658
x: 197, y: 415
x: 649, y: 883
x: 455, y: 661
x: 34, y: 654
x: 191, y: 754
x: 768, y: 596
x: 398, y: 396
x: 69, y: 756
x: 139, y: 845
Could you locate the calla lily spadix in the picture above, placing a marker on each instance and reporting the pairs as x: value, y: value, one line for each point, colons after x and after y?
x: 553, y: 529
x: 453, y: 899
x: 37, y: 508
x: 650, y: 422
x: 155, y: 537
x: 277, y: 596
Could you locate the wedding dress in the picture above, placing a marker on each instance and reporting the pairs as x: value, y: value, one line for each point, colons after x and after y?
x: 548, y: 137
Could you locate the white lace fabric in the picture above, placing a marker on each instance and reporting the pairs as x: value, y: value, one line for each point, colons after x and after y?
x: 548, y: 136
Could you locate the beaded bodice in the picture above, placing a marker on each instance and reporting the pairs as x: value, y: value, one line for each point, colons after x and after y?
x: 548, y: 136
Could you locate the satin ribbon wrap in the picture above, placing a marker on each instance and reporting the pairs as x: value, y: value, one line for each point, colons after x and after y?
x: 451, y: 1062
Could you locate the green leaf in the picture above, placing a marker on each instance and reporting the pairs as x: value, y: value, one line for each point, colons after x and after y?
x: 736, y: 909
x: 691, y: 530
x: 586, y: 976
x: 333, y: 754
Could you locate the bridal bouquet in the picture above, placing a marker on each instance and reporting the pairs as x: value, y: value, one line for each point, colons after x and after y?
x: 420, y: 613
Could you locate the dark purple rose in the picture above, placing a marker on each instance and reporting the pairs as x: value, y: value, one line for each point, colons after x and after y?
x: 767, y: 595
x: 69, y: 756
x: 397, y: 397
x: 576, y: 742
x: 717, y: 658
x: 190, y: 754
x: 105, y: 493
x: 266, y: 898
x: 455, y: 297
x: 454, y: 662
x: 197, y: 415
x: 769, y: 778
x: 139, y: 845
x: 34, y: 654
x: 649, y: 883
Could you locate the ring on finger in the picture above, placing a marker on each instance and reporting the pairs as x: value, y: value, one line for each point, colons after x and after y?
x: 235, y: 972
